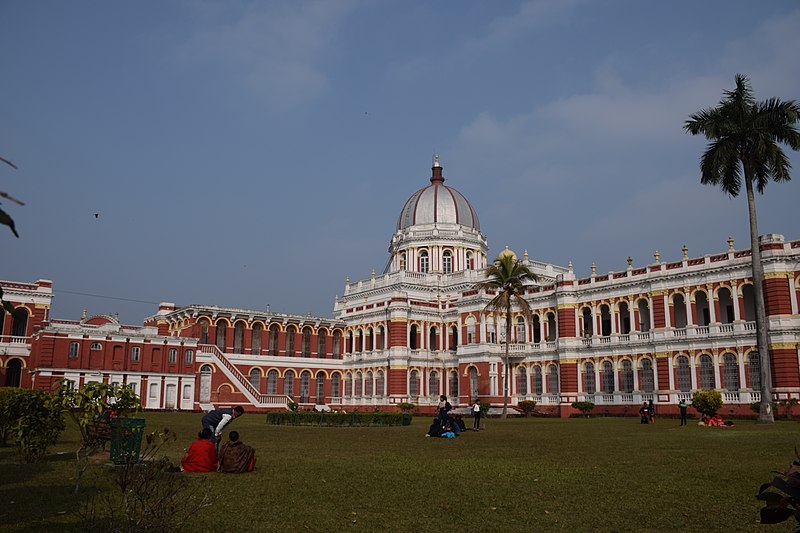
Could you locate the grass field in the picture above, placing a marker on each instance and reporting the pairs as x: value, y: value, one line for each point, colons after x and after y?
x: 598, y: 474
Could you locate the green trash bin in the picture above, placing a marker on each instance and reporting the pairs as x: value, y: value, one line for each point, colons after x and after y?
x: 126, y: 440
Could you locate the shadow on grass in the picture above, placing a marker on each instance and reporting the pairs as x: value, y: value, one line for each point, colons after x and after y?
x: 22, y: 511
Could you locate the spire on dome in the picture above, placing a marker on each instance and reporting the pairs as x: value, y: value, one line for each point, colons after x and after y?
x: 436, y: 176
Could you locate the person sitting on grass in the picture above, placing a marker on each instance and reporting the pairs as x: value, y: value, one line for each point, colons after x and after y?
x: 201, y: 455
x: 436, y: 429
x: 235, y: 457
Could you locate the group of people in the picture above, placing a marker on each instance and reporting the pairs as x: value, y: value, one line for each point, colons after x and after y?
x: 449, y: 425
x: 206, y: 455
x: 648, y: 413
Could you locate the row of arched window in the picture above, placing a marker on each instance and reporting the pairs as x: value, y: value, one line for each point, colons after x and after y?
x: 705, y: 377
x: 424, y: 261
x: 307, y: 345
x: 17, y: 324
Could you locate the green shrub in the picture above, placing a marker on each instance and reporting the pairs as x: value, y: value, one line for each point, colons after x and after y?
x: 406, y: 406
x: 707, y: 402
x: 756, y: 407
x: 33, y: 419
x: 310, y: 418
x: 584, y: 407
x: 7, y: 420
x: 485, y: 406
x: 527, y: 407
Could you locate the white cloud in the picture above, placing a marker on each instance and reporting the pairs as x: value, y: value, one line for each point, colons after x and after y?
x: 531, y: 16
x: 274, y: 52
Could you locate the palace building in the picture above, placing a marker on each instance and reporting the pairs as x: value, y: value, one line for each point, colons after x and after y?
x: 418, y: 330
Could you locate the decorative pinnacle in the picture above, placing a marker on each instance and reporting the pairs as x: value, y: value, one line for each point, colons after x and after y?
x: 630, y: 261
x: 685, y: 251
x: 594, y: 268
x: 347, y: 280
x: 570, y: 266
x: 657, y: 256
x: 373, y: 274
x: 525, y: 255
x: 84, y: 313
x: 436, y: 160
x: 730, y: 242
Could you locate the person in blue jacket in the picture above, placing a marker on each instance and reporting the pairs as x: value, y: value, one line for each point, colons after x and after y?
x: 217, y: 419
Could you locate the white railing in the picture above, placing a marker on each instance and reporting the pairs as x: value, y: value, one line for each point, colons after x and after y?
x: 10, y: 339
x: 627, y: 397
x: 726, y: 328
x: 679, y: 332
x: 605, y: 340
x: 731, y: 397
x: 684, y: 396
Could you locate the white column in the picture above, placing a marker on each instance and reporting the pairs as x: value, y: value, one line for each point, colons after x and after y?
x: 693, y: 370
x: 740, y: 359
x: 616, y: 374
x: 712, y: 311
x: 715, y: 360
x: 655, y: 374
x: 792, y: 295
x: 735, y: 298
x: 580, y: 379
x: 671, y: 370
x: 667, y: 318
x: 652, y: 323
x: 690, y: 318
x: 636, y: 374
x: 597, y: 382
x: 632, y: 317
x: 614, y: 316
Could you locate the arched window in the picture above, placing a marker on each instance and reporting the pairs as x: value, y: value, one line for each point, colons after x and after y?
x: 381, y: 344
x: 703, y: 317
x: 424, y: 261
x: 731, y: 372
x: 290, y: 341
x: 321, y: 340
x: 706, y: 372
x: 255, y: 378
x: 359, y: 384
x: 473, y: 382
x: 380, y: 384
x: 413, y: 385
x: 305, y: 386
x: 453, y: 339
x: 605, y: 320
x: 470, y: 261
x: 370, y: 336
x: 272, y: 382
x: 433, y: 343
x: 679, y: 310
x: 336, y: 386
x: 413, y: 337
x: 627, y: 376
x: 454, y: 384
x: 522, y: 381
x: 337, y: 344
x: 754, y: 370
x: 255, y: 341
x: 402, y: 261
x: 608, y: 377
x: 586, y: 315
x: 13, y: 372
x: 74, y: 349
x: 447, y: 262
x: 491, y: 334
x: 725, y: 306
x: 552, y: 380
x: 359, y: 341
x: 433, y: 383
x: 306, y: 347
x: 589, y: 386
x: 19, y: 324
x: 521, y: 337
x: 471, y: 339
x: 221, y: 329
x: 684, y: 374
x: 288, y: 384
x: 551, y: 327
x: 537, y: 380
x: 368, y: 385
x: 273, y: 339
x: 624, y: 318
x: 203, y: 332
x: 320, y: 387
x: 238, y: 338
x: 646, y: 376
x: 537, y: 329
x: 348, y: 385
x: 644, y: 314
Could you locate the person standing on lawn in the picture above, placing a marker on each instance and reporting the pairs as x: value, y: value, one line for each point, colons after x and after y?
x: 682, y: 406
x: 476, y: 415
x: 217, y: 419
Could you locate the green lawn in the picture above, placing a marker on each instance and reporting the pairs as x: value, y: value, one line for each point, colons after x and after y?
x: 598, y: 474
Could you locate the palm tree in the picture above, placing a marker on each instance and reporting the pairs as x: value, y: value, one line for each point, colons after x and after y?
x: 507, y: 276
x: 745, y: 136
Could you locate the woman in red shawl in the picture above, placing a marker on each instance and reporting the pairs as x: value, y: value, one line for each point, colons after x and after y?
x: 202, y: 454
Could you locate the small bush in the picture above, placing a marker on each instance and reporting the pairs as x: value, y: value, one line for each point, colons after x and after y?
x: 527, y: 407
x: 584, y: 407
x: 406, y: 406
x: 756, y: 407
x: 707, y: 402
x: 485, y: 406
x: 33, y: 419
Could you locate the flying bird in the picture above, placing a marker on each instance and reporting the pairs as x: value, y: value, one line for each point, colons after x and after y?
x: 97, y: 215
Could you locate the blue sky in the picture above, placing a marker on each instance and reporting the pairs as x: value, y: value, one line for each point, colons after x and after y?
x: 251, y: 153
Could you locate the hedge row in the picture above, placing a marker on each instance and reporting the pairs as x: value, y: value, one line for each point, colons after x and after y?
x: 310, y: 418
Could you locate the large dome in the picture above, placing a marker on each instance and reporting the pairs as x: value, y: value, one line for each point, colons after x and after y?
x: 438, y: 204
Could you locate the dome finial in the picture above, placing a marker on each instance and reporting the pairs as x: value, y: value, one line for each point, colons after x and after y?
x: 436, y: 177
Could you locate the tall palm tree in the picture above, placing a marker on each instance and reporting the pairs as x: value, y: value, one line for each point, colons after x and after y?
x: 507, y: 276
x: 745, y: 136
